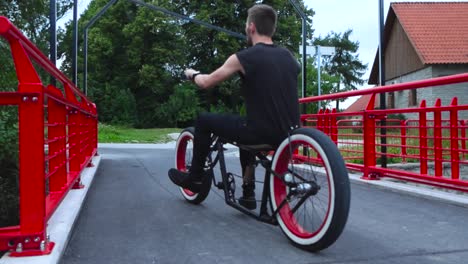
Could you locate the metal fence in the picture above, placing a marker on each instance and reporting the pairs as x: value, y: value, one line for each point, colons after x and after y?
x: 429, y: 150
x: 57, y: 136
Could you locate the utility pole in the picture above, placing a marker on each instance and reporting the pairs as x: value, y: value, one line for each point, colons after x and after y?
x: 319, y: 78
x: 383, y: 130
x: 304, y: 49
x: 75, y: 43
x: 53, y: 36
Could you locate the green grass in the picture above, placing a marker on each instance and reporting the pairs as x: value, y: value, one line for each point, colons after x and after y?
x: 115, y: 134
x: 394, y: 138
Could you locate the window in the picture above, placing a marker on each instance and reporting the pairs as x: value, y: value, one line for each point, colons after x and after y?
x: 412, y: 98
x: 391, y: 100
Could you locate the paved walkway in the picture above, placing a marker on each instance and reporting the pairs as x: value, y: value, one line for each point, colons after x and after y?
x: 133, y: 214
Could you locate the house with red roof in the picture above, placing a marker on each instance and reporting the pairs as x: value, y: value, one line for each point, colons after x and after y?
x: 423, y: 40
x: 361, y: 104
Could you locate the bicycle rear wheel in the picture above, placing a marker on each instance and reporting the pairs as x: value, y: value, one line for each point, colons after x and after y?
x: 313, y: 197
x: 183, y: 161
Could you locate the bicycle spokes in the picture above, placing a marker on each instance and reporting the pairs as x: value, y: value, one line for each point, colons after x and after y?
x: 303, y: 197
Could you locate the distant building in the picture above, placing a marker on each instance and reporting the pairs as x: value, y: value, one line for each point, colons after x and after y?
x: 421, y: 41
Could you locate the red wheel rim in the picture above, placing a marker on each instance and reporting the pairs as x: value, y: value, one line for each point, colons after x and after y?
x: 281, y: 191
x: 181, y: 157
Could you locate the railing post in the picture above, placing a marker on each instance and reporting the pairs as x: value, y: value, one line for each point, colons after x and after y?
x: 89, y: 139
x: 88, y: 135
x: 438, y: 138
x: 403, y: 140
x: 320, y: 120
x: 369, y: 140
x: 334, y: 127
x: 327, y: 124
x: 57, y: 118
x: 369, y: 144
x: 82, y: 138
x: 423, y: 138
x: 454, y: 154
x: 75, y: 147
x: 72, y: 140
x: 463, y: 138
x: 31, y: 156
x: 95, y: 128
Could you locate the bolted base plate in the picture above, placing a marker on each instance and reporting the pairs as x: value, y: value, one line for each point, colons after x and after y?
x: 34, y: 252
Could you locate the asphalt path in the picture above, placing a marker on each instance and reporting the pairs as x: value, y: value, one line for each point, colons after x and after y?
x: 134, y: 214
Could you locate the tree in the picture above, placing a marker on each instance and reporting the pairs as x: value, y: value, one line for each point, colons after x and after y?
x: 181, y: 108
x: 209, y: 48
x: 143, y: 52
x: 133, y: 51
x: 328, y: 84
x: 345, y: 63
x: 32, y: 18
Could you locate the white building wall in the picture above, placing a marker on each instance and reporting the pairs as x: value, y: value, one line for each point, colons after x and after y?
x: 446, y: 92
x: 402, y: 97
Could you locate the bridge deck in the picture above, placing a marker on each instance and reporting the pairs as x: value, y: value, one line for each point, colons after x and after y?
x: 134, y: 214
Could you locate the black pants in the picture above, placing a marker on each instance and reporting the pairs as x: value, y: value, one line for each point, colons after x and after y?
x: 232, y: 128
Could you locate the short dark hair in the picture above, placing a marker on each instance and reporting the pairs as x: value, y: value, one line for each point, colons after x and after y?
x: 264, y: 17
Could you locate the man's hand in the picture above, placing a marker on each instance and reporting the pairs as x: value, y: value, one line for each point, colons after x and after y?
x: 206, y: 81
x: 189, y: 73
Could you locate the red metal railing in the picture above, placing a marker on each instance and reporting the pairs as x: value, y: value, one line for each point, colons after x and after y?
x: 429, y: 149
x: 57, y: 135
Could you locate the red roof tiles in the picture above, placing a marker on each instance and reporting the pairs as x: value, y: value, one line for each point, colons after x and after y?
x: 361, y: 104
x: 437, y: 30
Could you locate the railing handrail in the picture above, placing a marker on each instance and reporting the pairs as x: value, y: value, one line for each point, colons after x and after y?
x: 452, y: 79
x: 10, y: 32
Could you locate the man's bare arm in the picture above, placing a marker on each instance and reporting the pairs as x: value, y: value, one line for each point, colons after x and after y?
x: 206, y: 81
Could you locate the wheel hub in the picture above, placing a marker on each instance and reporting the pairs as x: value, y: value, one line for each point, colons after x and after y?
x: 305, y: 188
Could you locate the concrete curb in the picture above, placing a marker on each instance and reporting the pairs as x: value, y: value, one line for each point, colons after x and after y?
x: 61, y: 223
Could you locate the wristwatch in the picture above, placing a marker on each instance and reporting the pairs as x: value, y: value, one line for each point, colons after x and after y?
x: 195, y: 75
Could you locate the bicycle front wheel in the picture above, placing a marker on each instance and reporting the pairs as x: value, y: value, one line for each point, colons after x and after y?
x: 183, y: 161
x: 312, y: 194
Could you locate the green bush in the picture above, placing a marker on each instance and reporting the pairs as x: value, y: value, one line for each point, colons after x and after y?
x: 396, y: 116
x: 9, y: 207
x: 180, y: 110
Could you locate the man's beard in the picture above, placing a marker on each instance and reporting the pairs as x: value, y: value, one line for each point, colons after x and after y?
x: 249, y: 41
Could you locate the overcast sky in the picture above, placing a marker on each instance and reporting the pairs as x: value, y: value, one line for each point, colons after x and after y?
x: 359, y: 15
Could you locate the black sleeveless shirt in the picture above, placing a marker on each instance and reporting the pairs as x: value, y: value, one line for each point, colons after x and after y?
x: 270, y: 89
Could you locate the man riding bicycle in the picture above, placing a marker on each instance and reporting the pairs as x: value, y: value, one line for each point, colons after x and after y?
x: 269, y: 75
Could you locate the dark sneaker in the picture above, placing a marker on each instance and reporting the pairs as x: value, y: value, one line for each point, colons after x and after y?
x: 185, y: 180
x: 247, y: 199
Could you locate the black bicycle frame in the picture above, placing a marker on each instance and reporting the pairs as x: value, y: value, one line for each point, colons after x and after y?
x: 263, y: 215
